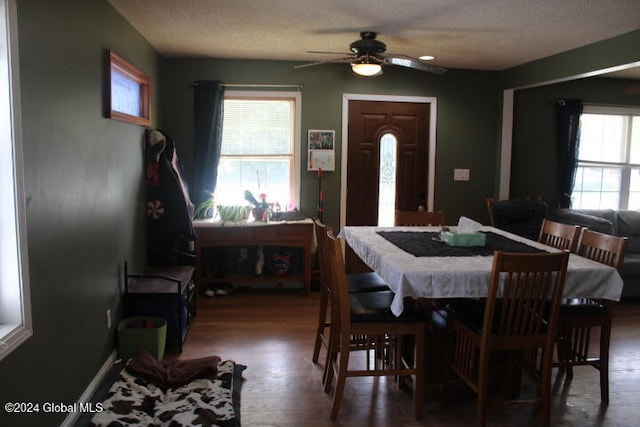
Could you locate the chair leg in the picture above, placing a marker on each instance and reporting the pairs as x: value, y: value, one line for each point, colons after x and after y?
x: 513, y: 379
x: 327, y: 375
x: 544, y: 388
x: 322, y: 323
x: 571, y: 338
x: 544, y: 404
x: 419, y: 384
x: 340, y: 383
x: 332, y: 355
x: 483, y: 380
x: 561, y: 348
x: 605, y: 337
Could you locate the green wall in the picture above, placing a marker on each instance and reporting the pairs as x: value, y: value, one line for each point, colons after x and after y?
x: 466, y: 126
x: 534, y: 158
x: 84, y: 173
x: 581, y: 62
x: 84, y: 195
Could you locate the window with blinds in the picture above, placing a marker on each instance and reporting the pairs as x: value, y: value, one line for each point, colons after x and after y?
x: 258, y: 150
x: 608, y: 172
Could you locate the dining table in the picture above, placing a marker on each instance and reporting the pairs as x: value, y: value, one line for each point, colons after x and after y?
x: 416, y: 262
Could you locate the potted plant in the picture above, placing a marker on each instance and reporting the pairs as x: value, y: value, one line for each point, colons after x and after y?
x: 206, y: 208
x: 259, y: 207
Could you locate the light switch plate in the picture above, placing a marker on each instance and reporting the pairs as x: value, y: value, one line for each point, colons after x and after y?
x: 461, y: 174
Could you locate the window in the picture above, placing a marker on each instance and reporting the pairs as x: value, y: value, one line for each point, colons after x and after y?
x: 15, y: 311
x: 260, y: 148
x: 129, y: 92
x: 608, y: 173
x: 387, y: 184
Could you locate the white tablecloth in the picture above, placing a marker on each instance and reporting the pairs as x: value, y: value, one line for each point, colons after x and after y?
x: 463, y: 277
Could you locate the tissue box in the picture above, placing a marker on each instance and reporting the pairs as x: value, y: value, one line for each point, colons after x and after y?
x: 463, y: 239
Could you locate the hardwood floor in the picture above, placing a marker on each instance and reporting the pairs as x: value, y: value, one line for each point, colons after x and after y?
x: 272, y: 333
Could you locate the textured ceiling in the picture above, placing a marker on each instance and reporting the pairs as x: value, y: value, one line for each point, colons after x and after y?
x: 470, y: 34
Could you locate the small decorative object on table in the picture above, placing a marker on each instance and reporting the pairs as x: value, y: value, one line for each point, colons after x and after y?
x: 259, y: 214
x: 260, y: 210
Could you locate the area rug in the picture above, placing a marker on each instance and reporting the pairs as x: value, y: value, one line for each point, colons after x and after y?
x: 208, y: 402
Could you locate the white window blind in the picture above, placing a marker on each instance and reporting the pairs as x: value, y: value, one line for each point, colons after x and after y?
x: 257, y: 127
x: 259, y: 149
x: 608, y: 159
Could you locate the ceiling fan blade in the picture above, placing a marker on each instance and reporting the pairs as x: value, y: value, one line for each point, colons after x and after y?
x: 311, y: 64
x: 407, y: 61
x: 328, y: 53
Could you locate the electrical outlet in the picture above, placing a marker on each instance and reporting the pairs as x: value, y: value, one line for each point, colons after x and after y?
x: 108, y: 313
x: 461, y: 174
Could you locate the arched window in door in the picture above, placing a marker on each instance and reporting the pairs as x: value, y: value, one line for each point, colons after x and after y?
x: 387, y: 177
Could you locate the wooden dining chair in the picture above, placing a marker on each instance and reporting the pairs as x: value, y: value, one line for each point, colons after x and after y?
x: 362, y: 323
x: 419, y: 218
x: 559, y: 235
x: 361, y: 282
x: 579, y: 318
x: 523, y: 288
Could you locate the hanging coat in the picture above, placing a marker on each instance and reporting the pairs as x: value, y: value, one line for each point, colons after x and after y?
x: 170, y: 211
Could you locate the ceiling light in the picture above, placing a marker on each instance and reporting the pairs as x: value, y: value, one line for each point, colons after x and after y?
x: 367, y: 69
x: 427, y: 58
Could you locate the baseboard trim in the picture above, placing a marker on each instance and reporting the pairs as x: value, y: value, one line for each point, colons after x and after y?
x: 71, y: 419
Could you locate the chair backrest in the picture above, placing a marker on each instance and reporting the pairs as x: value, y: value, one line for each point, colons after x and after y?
x: 559, y: 235
x: 419, y: 218
x: 526, y: 290
x: 604, y: 248
x: 341, y: 312
x: 518, y: 216
x: 323, y: 259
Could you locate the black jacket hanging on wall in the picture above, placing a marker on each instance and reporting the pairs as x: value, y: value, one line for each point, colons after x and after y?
x: 169, y: 208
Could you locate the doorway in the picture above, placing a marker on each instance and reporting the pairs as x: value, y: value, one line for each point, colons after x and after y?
x: 369, y: 124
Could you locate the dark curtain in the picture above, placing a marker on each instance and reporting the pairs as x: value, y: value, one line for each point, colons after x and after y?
x: 208, y: 106
x: 568, y: 113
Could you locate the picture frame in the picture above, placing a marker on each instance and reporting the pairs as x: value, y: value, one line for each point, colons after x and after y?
x: 128, y: 92
x: 321, y: 150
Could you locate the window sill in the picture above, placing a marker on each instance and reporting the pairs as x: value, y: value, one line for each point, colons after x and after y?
x: 11, y: 337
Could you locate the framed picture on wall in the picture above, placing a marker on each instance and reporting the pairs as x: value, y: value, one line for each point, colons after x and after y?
x: 321, y: 148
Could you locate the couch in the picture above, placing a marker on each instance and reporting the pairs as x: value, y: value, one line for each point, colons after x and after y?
x: 616, y: 222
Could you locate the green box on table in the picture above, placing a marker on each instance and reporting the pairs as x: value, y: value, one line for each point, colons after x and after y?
x: 463, y: 239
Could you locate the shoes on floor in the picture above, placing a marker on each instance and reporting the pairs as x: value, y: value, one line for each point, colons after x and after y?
x: 218, y: 289
x: 224, y: 289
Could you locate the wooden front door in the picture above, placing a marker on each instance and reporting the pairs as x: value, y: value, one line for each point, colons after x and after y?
x: 369, y: 121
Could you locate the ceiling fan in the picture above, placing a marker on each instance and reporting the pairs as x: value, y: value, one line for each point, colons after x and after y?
x: 368, y: 55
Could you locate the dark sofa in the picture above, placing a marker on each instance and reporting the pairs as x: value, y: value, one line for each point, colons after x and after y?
x: 619, y: 223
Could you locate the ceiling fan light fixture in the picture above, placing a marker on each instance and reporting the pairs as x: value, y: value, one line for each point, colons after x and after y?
x: 427, y: 58
x: 367, y: 69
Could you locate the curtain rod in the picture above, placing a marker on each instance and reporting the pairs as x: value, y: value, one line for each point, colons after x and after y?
x: 266, y: 86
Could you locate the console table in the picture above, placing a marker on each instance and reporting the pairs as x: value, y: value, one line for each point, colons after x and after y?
x: 287, y: 234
